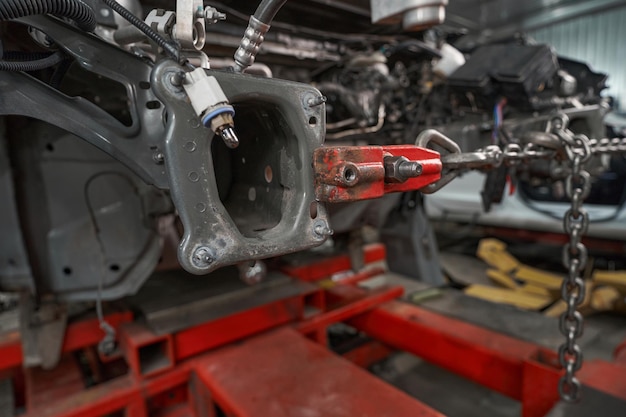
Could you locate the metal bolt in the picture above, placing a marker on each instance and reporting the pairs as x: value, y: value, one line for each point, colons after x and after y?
x: 398, y: 169
x: 202, y: 257
x: 316, y: 101
x: 410, y: 169
x: 106, y: 346
x: 158, y: 158
x: 252, y: 272
x: 177, y: 79
x: 212, y: 15
x: 321, y: 229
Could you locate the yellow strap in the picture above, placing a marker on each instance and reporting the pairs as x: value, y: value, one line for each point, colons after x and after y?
x: 506, y: 281
x: 616, y: 279
x: 494, y: 253
x: 517, y: 298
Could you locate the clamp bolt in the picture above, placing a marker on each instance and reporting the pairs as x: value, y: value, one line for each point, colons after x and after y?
x: 410, y: 169
x: 316, y: 101
x: 211, y: 15
x: 398, y: 169
x: 202, y: 257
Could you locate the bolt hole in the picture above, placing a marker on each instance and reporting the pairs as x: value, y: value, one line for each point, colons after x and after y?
x: 313, y: 209
x: 198, y: 35
x: 349, y: 174
x: 153, y: 104
x: 144, y: 85
x: 12, y: 262
x: 313, y: 120
x: 114, y: 267
x: 268, y: 174
x: 67, y: 270
x: 49, y: 147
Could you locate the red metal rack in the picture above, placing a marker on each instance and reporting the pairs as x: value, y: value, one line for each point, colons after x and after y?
x: 273, y: 360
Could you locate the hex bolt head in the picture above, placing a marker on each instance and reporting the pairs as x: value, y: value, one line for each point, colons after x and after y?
x: 158, y: 158
x: 398, y: 169
x: 321, y: 229
x: 203, y: 257
x: 177, y: 79
x: 316, y: 101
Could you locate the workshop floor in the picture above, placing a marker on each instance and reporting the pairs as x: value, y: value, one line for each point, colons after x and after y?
x: 458, y: 397
x: 444, y: 391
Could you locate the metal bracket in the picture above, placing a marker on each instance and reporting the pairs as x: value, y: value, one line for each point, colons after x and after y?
x: 190, y: 28
x: 219, y: 226
x: 24, y: 95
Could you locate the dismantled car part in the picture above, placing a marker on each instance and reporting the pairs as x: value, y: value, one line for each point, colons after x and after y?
x: 255, y: 214
x: 414, y: 14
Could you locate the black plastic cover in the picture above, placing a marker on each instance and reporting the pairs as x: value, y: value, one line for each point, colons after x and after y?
x: 514, y: 71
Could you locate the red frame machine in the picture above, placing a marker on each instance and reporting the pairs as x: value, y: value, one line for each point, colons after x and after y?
x: 273, y: 360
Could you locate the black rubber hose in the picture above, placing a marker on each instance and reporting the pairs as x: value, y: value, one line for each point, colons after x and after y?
x: 24, y: 56
x: 268, y: 9
x: 34, y: 65
x: 76, y: 10
x: 170, y: 48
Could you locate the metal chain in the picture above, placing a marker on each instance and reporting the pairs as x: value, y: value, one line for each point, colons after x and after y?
x: 575, y: 224
x: 608, y: 146
x: 577, y: 150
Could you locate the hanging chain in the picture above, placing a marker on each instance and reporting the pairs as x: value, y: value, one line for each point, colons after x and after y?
x: 575, y: 224
x: 560, y: 143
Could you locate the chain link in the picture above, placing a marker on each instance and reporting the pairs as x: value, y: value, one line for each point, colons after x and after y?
x: 576, y: 150
x: 575, y: 224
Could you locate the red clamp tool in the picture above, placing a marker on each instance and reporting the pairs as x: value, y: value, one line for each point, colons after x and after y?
x: 352, y: 173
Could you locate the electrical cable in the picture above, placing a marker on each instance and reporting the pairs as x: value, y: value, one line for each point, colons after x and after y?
x: 170, y: 48
x: 76, y: 10
x: 24, y: 56
x: 106, y: 345
x: 32, y: 65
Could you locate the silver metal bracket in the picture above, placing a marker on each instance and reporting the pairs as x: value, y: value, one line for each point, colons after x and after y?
x: 252, y: 202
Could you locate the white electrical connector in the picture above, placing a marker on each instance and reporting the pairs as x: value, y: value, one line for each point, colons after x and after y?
x: 211, y: 105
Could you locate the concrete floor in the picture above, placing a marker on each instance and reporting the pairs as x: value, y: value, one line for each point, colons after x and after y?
x: 450, y: 394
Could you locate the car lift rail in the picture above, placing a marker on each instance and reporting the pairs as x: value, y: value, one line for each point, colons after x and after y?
x: 273, y: 360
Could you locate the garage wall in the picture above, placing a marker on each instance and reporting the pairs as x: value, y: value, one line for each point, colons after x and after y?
x: 599, y: 40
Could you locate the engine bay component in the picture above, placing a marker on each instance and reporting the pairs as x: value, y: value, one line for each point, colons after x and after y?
x: 211, y: 105
x: 190, y: 30
x: 414, y: 14
x: 234, y: 207
x: 258, y: 26
x: 251, y: 203
x: 518, y: 72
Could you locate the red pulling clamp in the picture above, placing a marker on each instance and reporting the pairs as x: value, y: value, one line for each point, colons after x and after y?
x: 352, y: 173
